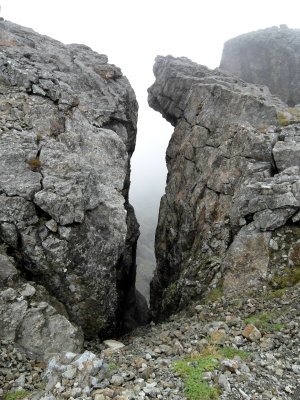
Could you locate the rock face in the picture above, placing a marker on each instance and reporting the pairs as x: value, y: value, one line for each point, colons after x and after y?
x: 31, y: 318
x: 267, y: 57
x: 230, y: 186
x: 67, y: 132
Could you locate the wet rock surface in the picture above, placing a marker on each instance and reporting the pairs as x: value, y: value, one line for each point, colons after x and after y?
x: 67, y: 132
x: 231, y: 184
x: 259, y: 367
x: 268, y: 57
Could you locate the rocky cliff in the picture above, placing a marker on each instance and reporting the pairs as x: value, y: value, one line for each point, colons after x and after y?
x: 67, y: 132
x: 267, y: 57
x: 229, y: 219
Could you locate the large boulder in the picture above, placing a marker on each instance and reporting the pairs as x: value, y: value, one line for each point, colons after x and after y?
x: 267, y: 57
x: 230, y: 184
x: 67, y: 132
x: 31, y: 318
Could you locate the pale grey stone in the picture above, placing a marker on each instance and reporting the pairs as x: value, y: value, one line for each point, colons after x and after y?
x: 12, y: 313
x: 70, y: 373
x: 51, y: 225
x: 43, y: 332
x: 286, y: 154
x: 113, y: 344
x: 28, y: 290
x: 7, y: 268
x: 224, y: 383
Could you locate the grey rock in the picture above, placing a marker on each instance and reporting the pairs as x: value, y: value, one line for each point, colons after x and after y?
x: 68, y: 127
x: 7, y: 269
x: 224, y: 383
x: 117, y: 380
x: 12, y: 313
x: 43, y: 332
x: 296, y: 368
x: 78, y: 368
x: 20, y: 382
x: 35, y: 326
x: 267, y: 57
x: 231, y: 183
x: 28, y: 290
x: 286, y: 151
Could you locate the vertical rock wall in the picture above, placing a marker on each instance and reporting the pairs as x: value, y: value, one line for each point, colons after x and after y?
x: 67, y: 132
x: 268, y: 57
x: 232, y: 182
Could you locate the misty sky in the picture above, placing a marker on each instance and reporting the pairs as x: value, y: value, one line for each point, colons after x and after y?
x: 133, y: 32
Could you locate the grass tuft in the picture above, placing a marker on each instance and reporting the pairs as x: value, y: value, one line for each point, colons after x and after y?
x: 275, y: 294
x: 20, y: 394
x: 35, y: 163
x: 214, y: 295
x: 112, y: 367
x: 192, y: 370
x: 289, y: 277
x: 229, y: 352
x: 283, y: 121
x: 263, y: 321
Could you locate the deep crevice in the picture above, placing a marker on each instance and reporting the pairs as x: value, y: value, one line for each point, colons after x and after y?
x: 249, y: 218
x: 273, y: 169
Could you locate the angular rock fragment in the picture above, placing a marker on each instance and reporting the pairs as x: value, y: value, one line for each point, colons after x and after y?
x: 251, y: 333
x: 28, y: 318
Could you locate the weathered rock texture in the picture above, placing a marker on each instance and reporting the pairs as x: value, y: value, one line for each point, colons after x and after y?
x: 31, y: 318
x: 67, y: 131
x: 267, y: 57
x: 233, y: 181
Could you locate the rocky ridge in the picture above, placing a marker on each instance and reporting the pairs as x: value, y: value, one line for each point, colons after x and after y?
x: 268, y: 57
x: 67, y: 132
x: 232, y: 188
x: 251, y: 341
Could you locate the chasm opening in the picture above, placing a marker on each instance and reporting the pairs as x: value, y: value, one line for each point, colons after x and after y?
x: 148, y: 180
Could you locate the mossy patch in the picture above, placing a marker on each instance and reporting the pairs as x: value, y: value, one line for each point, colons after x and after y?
x: 193, y: 369
x: 290, y: 115
x: 289, y: 277
x: 283, y: 121
x: 34, y: 163
x: 20, y: 394
x: 264, y: 322
x: 171, y: 291
x: 275, y: 294
x: 262, y: 129
x: 229, y: 352
x: 214, y: 295
x: 112, y: 367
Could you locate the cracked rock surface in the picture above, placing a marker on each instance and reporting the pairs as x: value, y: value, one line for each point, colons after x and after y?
x: 232, y: 184
x: 31, y: 318
x: 67, y: 132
